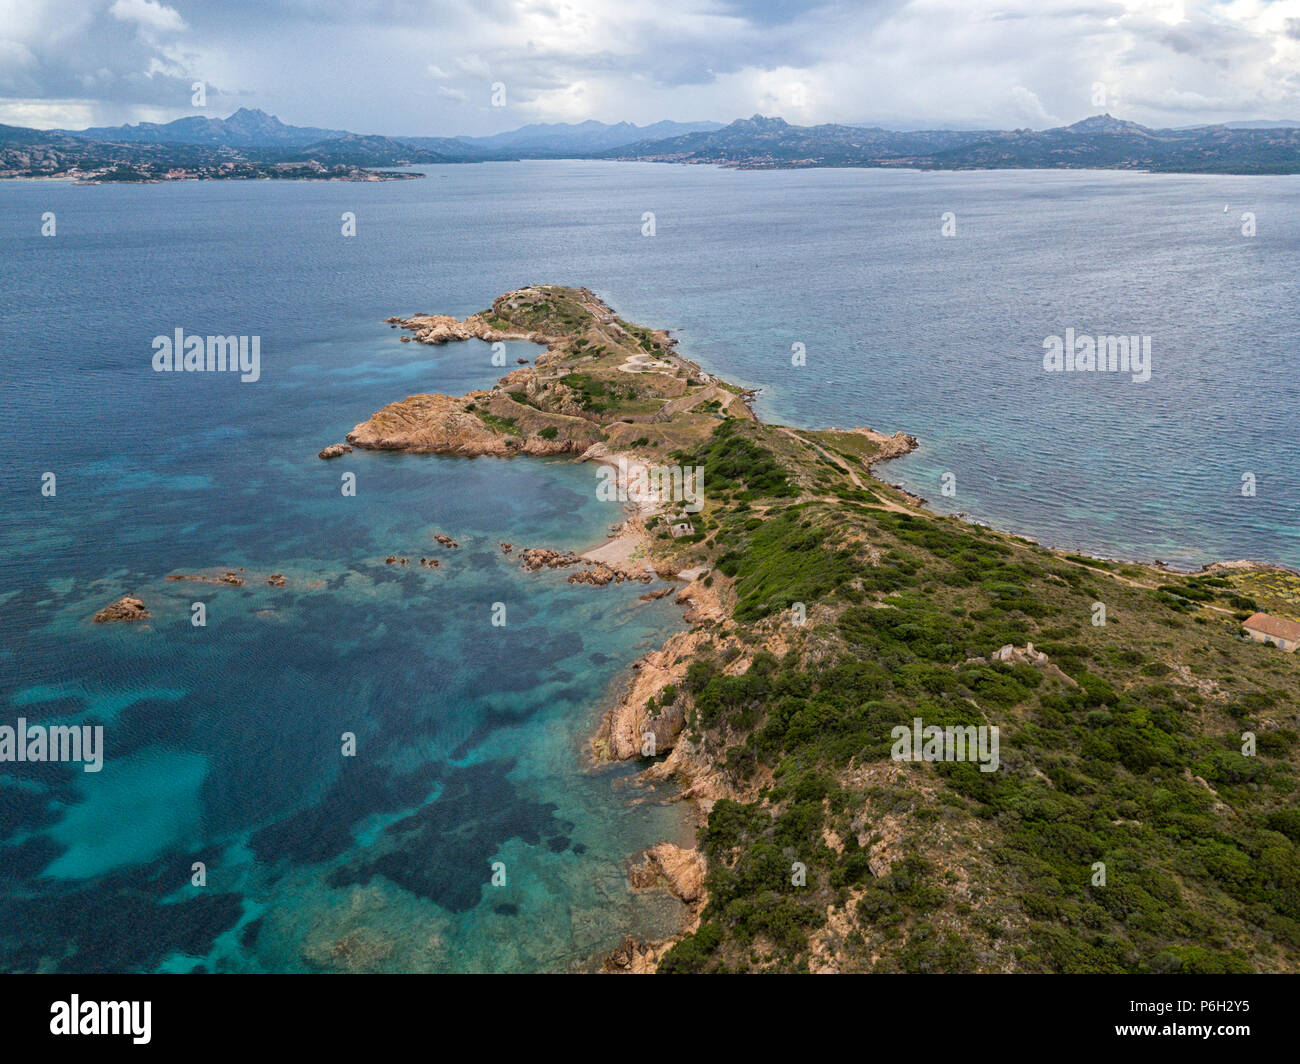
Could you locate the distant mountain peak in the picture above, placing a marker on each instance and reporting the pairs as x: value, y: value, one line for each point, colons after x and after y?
x: 1106, y: 123
x: 246, y: 127
x: 761, y: 123
x: 253, y: 118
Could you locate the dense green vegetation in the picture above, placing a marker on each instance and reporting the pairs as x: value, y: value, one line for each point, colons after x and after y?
x: 591, y: 392
x: 734, y: 463
x: 500, y: 424
x: 1126, y: 750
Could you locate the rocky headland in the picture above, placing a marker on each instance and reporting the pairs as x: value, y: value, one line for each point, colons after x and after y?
x: 609, y: 392
x: 821, y: 599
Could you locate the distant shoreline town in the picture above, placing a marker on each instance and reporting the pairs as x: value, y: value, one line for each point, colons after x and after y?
x: 253, y: 145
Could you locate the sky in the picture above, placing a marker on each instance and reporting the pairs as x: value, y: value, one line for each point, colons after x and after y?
x: 449, y: 67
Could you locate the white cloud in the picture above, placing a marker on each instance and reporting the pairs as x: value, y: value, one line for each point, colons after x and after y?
x: 48, y: 114
x: 473, y: 65
x: 148, y: 15
x: 566, y: 104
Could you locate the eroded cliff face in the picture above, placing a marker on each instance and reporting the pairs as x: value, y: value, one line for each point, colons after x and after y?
x: 643, y: 722
x: 443, y: 328
x: 680, y: 871
x: 628, y: 725
x: 443, y: 424
x: 895, y: 446
x: 599, y: 380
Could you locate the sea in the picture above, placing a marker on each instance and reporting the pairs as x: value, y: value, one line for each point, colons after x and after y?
x: 380, y: 767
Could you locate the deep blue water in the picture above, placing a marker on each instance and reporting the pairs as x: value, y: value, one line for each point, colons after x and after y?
x: 223, y: 742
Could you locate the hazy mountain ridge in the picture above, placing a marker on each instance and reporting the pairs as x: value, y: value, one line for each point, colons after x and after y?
x: 1100, y: 141
x: 245, y: 128
x: 585, y: 136
x: 254, y: 128
x: 253, y: 137
x: 774, y: 139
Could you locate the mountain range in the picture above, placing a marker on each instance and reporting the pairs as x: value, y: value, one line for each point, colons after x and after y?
x: 251, y: 138
x: 253, y: 128
x: 584, y: 137
x: 1100, y: 142
x: 246, y: 128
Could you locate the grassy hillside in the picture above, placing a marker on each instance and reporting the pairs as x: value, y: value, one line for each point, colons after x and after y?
x: 1124, y: 748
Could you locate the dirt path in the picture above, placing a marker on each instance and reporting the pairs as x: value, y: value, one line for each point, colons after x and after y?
x: 890, y: 505
x: 1130, y: 582
x: 883, y: 504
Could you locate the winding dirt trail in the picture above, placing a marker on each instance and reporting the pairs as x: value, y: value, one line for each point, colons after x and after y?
x: 882, y: 503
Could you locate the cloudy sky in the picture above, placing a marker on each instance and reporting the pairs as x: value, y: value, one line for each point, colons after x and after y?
x: 429, y: 66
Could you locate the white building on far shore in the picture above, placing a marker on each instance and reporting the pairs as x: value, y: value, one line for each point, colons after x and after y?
x: 1265, y: 628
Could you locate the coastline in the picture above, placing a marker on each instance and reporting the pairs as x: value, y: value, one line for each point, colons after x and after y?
x: 447, y: 425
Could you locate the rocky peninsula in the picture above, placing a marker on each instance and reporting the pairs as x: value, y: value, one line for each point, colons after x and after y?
x: 827, y: 607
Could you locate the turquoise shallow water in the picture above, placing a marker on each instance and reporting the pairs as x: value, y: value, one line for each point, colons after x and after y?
x: 223, y: 743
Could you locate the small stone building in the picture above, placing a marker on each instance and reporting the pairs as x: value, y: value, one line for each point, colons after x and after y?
x: 1265, y: 628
